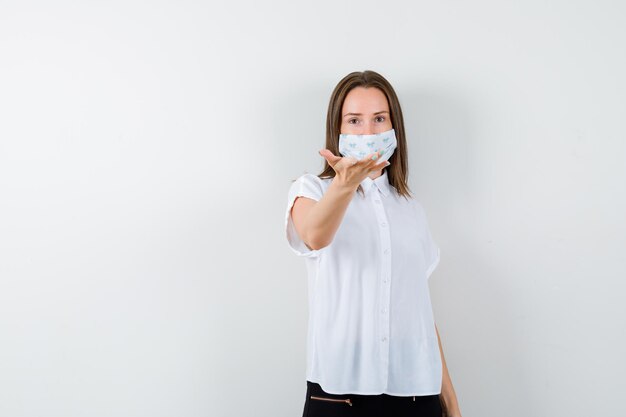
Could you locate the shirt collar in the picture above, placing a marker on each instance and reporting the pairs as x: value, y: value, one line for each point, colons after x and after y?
x: 382, y: 182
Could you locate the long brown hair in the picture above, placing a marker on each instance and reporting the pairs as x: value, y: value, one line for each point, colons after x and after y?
x: 398, y: 171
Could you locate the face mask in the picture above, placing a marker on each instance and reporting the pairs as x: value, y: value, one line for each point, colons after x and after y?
x: 358, y: 146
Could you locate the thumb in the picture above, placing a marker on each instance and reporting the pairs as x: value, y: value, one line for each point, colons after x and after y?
x: 329, y: 156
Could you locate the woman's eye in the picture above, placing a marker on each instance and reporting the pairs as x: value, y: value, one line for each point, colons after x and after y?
x: 382, y: 119
x: 351, y: 120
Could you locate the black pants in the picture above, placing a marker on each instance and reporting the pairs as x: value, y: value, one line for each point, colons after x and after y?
x: 319, y: 403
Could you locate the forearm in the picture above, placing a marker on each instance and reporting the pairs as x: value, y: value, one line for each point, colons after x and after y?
x: 326, y: 215
x: 447, y: 390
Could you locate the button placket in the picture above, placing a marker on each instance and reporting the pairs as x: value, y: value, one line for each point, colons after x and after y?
x: 385, y: 286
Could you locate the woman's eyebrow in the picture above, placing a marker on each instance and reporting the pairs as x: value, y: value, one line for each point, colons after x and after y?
x: 360, y: 114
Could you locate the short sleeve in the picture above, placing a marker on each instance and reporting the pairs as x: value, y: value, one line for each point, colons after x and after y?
x: 307, y: 185
x: 431, y: 248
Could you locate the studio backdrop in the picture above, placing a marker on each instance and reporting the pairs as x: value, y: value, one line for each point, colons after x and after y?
x: 146, y: 151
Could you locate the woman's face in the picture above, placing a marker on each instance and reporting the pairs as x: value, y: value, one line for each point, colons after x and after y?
x: 365, y: 111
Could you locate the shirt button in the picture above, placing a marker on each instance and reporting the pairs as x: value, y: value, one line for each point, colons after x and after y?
x: 386, y: 250
x: 383, y: 224
x: 384, y: 339
x: 385, y: 280
x: 384, y: 310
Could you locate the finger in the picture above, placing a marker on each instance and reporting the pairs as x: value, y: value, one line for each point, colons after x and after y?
x: 372, y: 159
x: 377, y: 164
x: 381, y: 164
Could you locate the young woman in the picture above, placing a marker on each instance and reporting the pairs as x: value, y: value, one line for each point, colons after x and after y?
x: 373, y: 348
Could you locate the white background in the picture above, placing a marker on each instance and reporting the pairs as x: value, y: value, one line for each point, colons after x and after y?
x: 146, y: 150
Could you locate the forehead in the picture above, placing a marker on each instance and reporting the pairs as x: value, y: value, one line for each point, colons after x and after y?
x: 365, y: 100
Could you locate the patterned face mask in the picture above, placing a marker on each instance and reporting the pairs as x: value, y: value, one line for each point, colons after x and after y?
x: 358, y: 146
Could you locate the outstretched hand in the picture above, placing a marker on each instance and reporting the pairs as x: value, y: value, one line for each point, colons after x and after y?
x: 352, y: 171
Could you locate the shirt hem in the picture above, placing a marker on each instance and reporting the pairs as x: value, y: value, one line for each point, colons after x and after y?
x: 336, y: 392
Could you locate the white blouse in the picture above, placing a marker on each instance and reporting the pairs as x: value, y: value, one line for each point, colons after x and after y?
x: 371, y: 328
